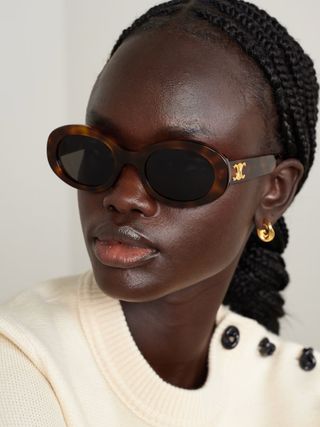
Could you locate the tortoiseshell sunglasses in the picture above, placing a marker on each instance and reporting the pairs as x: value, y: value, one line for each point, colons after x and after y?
x: 178, y: 173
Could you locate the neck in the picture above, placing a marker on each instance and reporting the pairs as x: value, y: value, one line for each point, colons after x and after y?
x: 173, y: 332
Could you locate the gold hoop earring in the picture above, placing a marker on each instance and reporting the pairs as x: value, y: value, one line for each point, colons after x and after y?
x: 267, y: 233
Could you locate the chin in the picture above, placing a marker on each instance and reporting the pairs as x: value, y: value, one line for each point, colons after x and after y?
x: 130, y: 284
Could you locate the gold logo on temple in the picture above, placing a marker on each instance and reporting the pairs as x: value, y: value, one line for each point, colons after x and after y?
x: 239, y: 171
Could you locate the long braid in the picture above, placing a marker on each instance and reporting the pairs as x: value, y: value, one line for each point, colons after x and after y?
x: 261, y: 274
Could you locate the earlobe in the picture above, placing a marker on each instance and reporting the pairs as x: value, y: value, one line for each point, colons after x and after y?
x: 279, y: 191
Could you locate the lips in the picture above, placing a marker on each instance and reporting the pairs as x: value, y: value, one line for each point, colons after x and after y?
x: 122, y: 247
x: 118, y: 254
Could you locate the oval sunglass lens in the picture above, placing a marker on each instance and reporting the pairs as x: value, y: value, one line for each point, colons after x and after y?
x: 179, y: 174
x: 85, y: 159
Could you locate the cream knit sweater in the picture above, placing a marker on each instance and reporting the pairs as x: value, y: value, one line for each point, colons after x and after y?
x: 67, y: 358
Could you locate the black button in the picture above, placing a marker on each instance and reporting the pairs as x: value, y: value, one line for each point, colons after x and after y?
x: 230, y: 337
x: 307, y: 361
x: 266, y: 348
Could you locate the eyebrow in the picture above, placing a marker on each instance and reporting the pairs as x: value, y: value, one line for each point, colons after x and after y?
x: 103, y: 123
x: 187, y: 131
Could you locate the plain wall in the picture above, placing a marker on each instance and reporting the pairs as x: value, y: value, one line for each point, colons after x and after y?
x: 51, y: 55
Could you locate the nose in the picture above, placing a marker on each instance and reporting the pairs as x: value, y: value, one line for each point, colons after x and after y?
x: 128, y: 194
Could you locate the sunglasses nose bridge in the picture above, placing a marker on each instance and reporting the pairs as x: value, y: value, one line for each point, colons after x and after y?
x: 134, y: 158
x: 129, y: 157
x: 130, y: 178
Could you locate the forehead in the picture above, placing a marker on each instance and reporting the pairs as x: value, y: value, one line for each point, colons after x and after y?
x: 163, y: 80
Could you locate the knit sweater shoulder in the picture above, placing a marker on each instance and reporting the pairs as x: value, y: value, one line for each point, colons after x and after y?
x: 67, y: 358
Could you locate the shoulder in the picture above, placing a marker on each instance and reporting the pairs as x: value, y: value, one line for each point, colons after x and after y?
x: 280, y: 364
x: 268, y: 345
x: 264, y: 373
x: 42, y: 311
x: 47, y: 294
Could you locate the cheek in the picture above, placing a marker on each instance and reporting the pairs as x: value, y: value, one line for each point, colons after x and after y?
x: 84, y: 207
x: 89, y: 205
x: 213, y: 235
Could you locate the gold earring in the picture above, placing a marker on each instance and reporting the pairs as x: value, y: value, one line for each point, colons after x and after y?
x: 267, y: 233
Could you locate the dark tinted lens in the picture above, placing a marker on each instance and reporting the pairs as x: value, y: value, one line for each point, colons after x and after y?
x: 182, y: 175
x: 86, y: 159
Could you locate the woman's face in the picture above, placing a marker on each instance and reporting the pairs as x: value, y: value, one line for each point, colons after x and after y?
x: 161, y: 86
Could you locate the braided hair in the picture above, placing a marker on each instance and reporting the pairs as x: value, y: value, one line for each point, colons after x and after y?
x: 261, y: 272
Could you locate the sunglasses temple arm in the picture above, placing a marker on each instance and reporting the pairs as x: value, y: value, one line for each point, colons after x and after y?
x: 247, y: 169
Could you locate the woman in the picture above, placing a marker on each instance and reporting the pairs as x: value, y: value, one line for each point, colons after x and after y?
x: 200, y: 133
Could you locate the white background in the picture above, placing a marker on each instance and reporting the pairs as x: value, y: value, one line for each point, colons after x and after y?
x: 51, y: 53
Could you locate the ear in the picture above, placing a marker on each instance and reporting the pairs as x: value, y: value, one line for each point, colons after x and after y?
x: 279, y: 191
